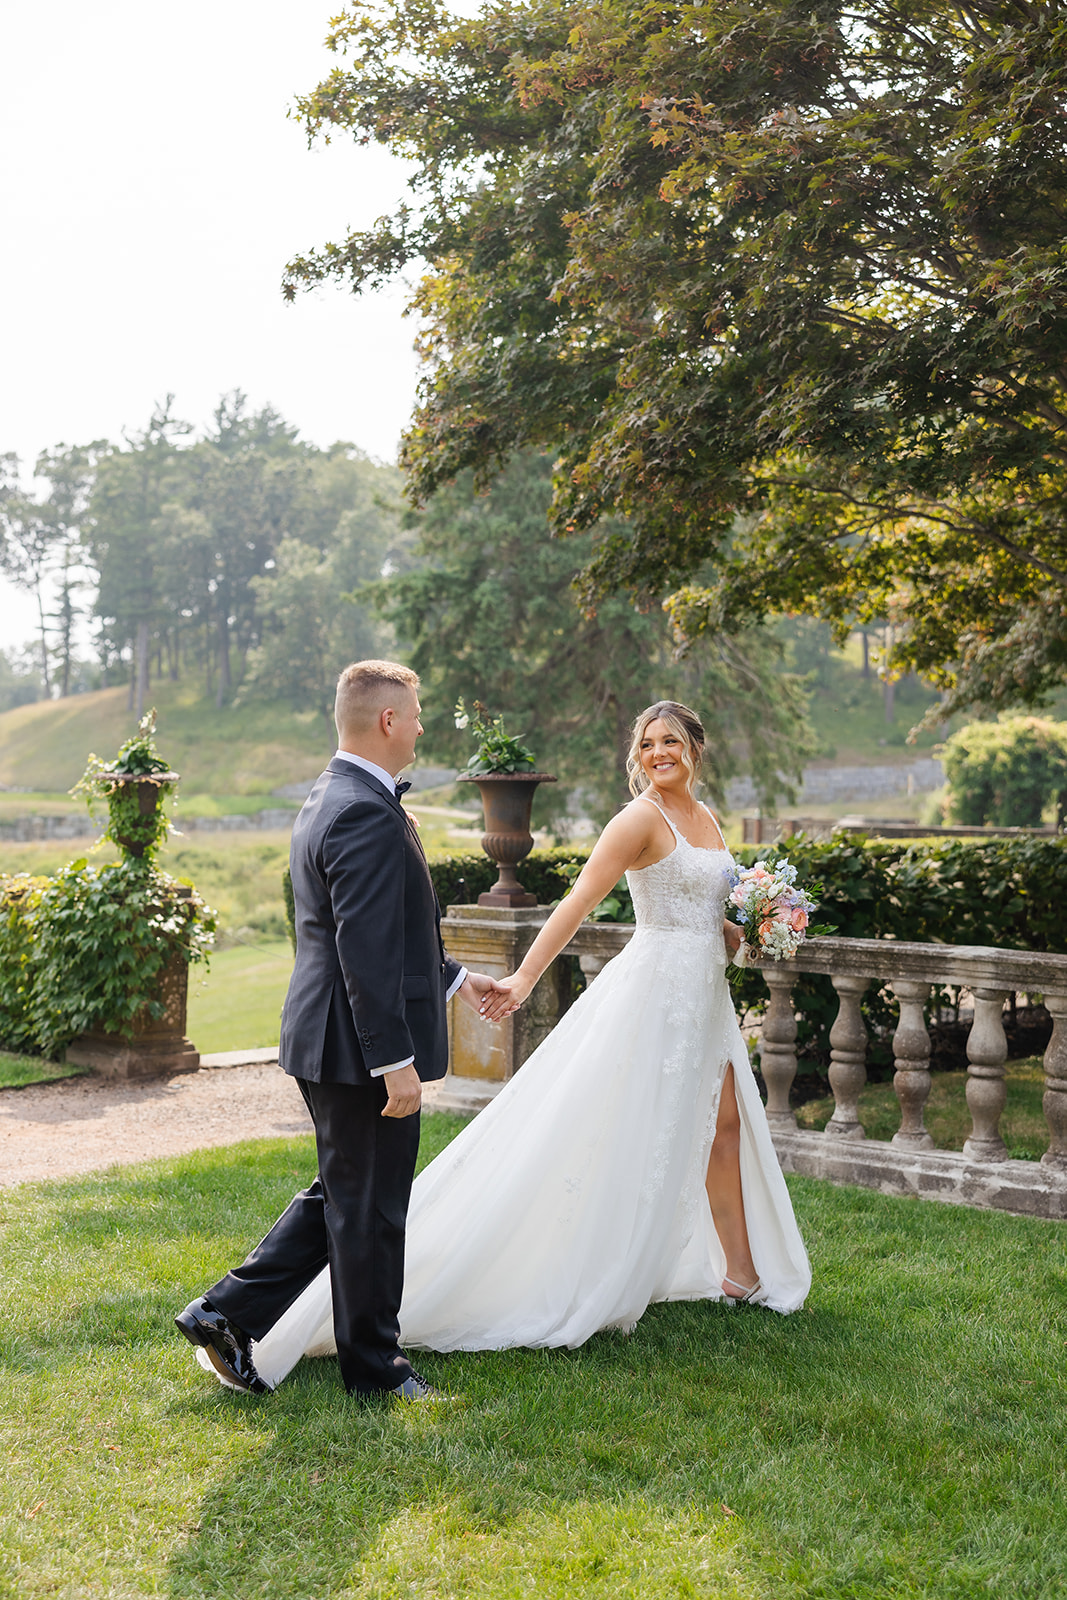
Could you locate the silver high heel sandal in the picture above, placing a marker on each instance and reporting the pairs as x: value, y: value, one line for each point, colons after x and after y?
x: 746, y: 1296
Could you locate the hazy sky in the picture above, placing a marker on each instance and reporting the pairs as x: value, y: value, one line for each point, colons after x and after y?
x: 153, y: 190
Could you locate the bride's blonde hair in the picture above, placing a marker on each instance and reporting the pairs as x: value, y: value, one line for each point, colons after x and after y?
x: 681, y: 721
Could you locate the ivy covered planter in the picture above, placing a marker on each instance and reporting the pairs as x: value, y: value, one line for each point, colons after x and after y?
x: 152, y: 1041
x: 95, y: 960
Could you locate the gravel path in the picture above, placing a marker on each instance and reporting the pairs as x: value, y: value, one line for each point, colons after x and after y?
x: 58, y: 1130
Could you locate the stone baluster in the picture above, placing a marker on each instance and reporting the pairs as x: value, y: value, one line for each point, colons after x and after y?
x: 987, y: 1050
x: 778, y: 1055
x: 911, y: 1064
x: 592, y: 966
x: 1055, y: 1099
x: 848, y: 1058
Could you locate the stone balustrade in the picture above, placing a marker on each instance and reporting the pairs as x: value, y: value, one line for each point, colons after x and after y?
x: 982, y: 1174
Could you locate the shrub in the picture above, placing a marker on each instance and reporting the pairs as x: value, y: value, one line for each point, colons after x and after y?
x: 1007, y: 772
x: 85, y: 950
x: 19, y: 897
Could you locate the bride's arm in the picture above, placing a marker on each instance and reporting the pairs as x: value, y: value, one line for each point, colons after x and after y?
x: 623, y: 842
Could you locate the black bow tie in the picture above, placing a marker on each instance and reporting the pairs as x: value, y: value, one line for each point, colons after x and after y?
x: 402, y: 788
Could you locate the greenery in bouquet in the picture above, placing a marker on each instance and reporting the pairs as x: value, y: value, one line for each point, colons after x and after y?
x: 136, y: 832
x: 498, y: 751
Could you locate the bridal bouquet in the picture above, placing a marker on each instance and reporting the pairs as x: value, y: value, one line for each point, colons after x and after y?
x: 773, y: 912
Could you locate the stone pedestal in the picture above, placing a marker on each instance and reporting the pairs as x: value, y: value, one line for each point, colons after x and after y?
x: 484, y: 1055
x: 158, y: 1046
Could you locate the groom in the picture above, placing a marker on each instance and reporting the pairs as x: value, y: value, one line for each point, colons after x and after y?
x: 363, y: 1027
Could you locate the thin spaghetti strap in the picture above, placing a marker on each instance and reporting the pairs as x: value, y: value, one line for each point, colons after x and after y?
x: 646, y: 794
x: 714, y: 818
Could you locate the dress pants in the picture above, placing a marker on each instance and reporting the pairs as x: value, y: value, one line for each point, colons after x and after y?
x: 352, y: 1216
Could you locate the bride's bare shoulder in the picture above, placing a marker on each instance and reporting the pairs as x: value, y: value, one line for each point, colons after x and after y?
x: 637, y: 818
x: 634, y: 830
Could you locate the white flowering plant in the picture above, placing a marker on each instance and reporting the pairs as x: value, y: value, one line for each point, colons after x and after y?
x: 497, y: 751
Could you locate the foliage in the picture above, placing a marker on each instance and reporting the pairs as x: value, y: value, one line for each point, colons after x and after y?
x: 136, y: 832
x: 1007, y: 772
x: 200, y: 553
x: 85, y: 950
x: 787, y: 284
x: 20, y: 896
x: 42, y: 547
x: 490, y: 610
x: 498, y: 751
x: 20, y: 679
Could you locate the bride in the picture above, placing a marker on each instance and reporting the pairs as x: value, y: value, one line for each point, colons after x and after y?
x: 629, y: 1161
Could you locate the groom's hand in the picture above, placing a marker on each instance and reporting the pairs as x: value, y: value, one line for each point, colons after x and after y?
x: 405, y: 1092
x: 474, y: 989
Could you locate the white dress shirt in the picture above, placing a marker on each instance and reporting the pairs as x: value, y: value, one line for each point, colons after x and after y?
x: 388, y: 782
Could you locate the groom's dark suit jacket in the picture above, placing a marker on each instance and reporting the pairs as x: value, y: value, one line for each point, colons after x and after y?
x: 368, y: 988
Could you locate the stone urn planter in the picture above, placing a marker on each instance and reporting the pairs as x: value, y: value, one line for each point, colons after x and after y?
x: 507, y: 800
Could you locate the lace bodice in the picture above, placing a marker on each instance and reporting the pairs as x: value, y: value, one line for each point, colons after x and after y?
x: 685, y: 892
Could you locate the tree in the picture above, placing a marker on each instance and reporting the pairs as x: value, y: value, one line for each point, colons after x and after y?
x: 310, y: 622
x: 20, y: 679
x: 1007, y: 772
x: 491, y: 613
x: 787, y: 283
x: 130, y: 538
x: 41, y: 546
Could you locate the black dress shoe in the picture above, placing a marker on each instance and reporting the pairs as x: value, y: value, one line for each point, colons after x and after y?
x: 417, y: 1388
x: 229, y: 1348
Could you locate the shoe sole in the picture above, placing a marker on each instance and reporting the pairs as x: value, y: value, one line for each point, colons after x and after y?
x: 195, y: 1336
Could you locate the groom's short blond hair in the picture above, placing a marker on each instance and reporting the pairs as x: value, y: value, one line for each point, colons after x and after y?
x: 366, y: 689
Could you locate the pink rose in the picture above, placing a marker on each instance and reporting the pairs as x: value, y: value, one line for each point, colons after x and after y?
x: 766, y: 929
x: 798, y: 920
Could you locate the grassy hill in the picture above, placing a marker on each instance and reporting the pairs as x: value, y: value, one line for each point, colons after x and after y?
x: 240, y: 750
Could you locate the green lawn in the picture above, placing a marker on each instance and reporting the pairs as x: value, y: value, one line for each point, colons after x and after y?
x: 17, y: 1071
x: 947, y: 1118
x: 237, y: 1006
x: 900, y: 1437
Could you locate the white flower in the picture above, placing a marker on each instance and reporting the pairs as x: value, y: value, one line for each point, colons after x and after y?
x: 462, y: 721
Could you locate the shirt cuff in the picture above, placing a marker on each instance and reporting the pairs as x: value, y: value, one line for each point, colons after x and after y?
x: 457, y: 982
x: 395, y: 1066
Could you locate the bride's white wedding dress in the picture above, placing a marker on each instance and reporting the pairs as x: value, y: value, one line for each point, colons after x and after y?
x: 577, y: 1198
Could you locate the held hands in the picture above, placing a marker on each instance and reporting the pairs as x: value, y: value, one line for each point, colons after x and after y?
x: 508, y: 996
x: 474, y: 989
